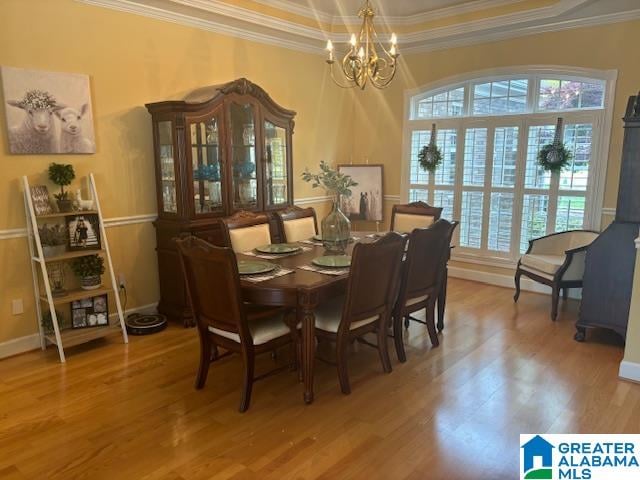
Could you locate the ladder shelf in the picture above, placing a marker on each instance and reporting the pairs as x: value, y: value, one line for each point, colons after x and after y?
x: 64, y: 338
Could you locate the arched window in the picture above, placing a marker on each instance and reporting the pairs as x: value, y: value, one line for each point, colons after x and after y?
x: 490, y: 129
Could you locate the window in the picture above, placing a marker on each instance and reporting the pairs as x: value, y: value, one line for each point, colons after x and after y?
x: 444, y: 104
x: 490, y: 132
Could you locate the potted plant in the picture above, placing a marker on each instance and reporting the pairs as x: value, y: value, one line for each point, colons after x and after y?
x: 53, y: 239
x: 336, y: 227
x: 47, y: 321
x: 89, y: 269
x: 62, y: 175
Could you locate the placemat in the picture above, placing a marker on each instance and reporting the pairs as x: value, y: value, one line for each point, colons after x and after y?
x: 279, y: 272
x: 326, y: 271
x: 275, y: 256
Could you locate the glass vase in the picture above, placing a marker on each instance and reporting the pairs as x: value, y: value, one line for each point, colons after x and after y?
x: 336, y: 230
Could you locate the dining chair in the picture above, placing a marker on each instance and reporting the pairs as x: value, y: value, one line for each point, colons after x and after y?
x: 296, y: 224
x: 444, y: 275
x: 404, y: 218
x: 366, y: 307
x: 243, y: 231
x: 421, y: 280
x: 223, y: 319
x: 556, y: 260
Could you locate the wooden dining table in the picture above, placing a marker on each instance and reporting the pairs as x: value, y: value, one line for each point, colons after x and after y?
x: 303, y: 290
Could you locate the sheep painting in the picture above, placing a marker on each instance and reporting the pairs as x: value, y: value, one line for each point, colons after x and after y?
x: 71, y: 138
x: 48, y: 112
x: 36, y: 133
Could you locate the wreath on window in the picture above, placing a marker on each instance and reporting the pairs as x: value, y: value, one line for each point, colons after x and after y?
x: 430, y: 156
x: 554, y: 157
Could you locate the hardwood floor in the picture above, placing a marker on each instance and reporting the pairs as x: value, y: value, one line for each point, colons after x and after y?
x: 453, y: 412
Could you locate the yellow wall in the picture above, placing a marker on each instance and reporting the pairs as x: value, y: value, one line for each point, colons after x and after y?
x: 132, y: 60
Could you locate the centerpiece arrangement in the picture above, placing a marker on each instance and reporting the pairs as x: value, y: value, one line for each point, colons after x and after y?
x: 336, y: 227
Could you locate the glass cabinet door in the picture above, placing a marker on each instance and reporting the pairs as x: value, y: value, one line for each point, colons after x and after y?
x: 167, y: 167
x: 243, y: 156
x: 275, y: 154
x: 205, y: 162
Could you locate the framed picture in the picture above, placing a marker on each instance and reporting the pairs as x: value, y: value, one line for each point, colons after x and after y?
x: 48, y: 112
x: 90, y: 312
x: 366, y: 200
x: 84, y: 232
x: 40, y: 200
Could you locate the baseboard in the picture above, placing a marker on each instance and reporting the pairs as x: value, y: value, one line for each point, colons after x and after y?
x: 506, y: 281
x: 28, y: 343
x: 629, y: 371
x: 19, y: 345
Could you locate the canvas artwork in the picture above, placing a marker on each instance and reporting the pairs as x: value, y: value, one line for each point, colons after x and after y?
x: 365, y: 202
x: 48, y: 112
x: 84, y: 232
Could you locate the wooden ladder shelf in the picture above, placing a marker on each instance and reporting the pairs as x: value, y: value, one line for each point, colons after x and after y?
x: 69, y: 337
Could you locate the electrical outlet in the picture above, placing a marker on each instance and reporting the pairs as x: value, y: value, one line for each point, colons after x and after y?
x: 17, y: 307
x: 122, y: 282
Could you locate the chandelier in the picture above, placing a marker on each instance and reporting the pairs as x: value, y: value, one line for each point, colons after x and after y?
x: 367, y: 60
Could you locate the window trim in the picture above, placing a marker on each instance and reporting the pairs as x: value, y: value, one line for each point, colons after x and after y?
x: 600, y: 152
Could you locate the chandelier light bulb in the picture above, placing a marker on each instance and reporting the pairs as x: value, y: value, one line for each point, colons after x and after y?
x: 353, y: 40
x: 392, y: 50
x: 329, y: 45
x: 361, y: 53
x: 394, y: 39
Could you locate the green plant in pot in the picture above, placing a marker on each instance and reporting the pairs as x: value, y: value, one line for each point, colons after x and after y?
x: 53, y: 239
x: 89, y: 269
x: 336, y: 227
x: 62, y: 175
x: 47, y: 322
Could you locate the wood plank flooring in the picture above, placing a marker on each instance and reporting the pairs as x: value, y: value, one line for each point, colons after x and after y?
x: 453, y: 412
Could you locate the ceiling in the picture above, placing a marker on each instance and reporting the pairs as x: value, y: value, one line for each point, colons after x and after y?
x: 395, y: 8
x: 421, y: 25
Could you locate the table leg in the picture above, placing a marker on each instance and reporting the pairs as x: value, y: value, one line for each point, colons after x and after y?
x: 308, y: 351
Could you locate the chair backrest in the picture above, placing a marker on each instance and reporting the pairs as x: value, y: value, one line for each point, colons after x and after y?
x: 297, y: 223
x: 404, y: 218
x: 244, y: 231
x: 427, y: 254
x: 213, y: 285
x: 374, y: 279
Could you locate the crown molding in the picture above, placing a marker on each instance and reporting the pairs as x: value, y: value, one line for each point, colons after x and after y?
x: 207, y: 25
x: 227, y: 20
x: 407, y: 20
x: 524, y: 31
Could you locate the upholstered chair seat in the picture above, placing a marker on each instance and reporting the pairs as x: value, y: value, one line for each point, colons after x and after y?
x: 413, y: 301
x: 406, y: 218
x: 248, y: 238
x: 329, y: 315
x: 262, y: 330
x: 406, y: 223
x: 556, y: 260
x: 297, y: 224
x: 299, y: 229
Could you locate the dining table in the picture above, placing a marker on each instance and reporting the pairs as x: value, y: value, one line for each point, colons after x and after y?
x: 302, y: 290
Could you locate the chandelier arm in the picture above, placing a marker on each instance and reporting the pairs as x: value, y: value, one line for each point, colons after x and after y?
x: 335, y: 80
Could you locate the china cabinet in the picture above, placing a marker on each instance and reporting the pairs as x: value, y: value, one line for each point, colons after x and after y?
x: 219, y: 150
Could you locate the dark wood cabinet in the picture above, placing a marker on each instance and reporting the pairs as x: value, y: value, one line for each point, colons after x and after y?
x: 221, y: 149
